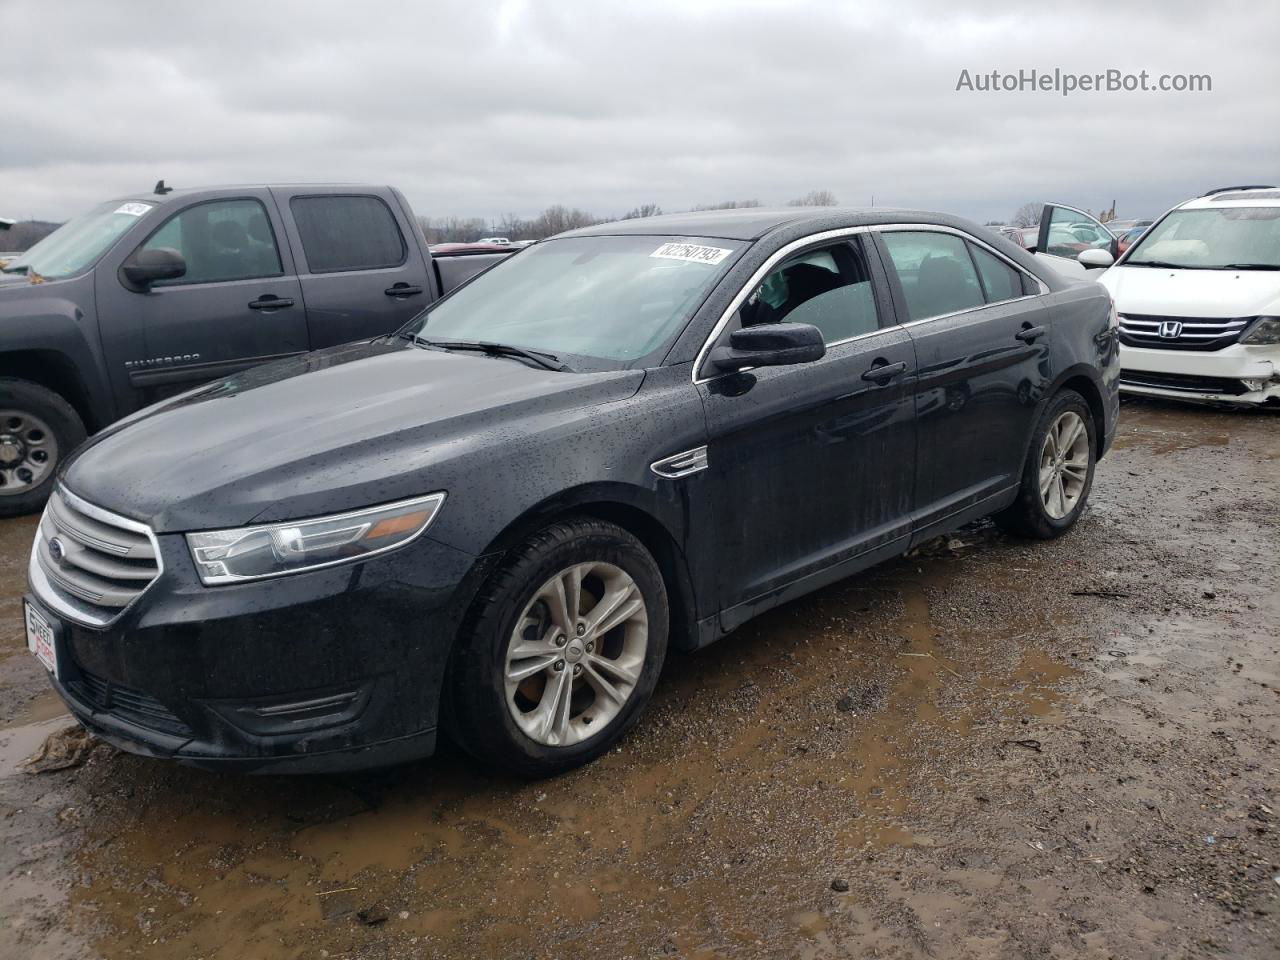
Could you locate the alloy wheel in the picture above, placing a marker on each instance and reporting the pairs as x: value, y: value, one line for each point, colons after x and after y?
x: 576, y: 654
x: 28, y: 452
x: 1064, y: 465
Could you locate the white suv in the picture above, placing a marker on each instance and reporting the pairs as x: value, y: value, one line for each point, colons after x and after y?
x: 1199, y: 300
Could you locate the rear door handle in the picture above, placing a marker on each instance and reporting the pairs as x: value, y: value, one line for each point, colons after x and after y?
x: 882, y: 372
x: 1029, y: 334
x: 402, y: 290
x: 269, y: 301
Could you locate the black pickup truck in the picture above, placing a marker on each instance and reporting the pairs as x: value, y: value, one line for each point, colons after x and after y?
x: 149, y: 295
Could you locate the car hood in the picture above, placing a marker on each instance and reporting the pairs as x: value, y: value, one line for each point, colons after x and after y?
x: 323, y: 432
x: 1193, y: 293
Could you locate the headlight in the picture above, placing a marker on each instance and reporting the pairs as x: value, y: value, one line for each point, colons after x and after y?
x: 1264, y: 330
x: 271, y: 550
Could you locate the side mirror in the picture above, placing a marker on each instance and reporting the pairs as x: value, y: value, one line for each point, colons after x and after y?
x: 146, y: 267
x: 770, y: 345
x: 1096, y: 257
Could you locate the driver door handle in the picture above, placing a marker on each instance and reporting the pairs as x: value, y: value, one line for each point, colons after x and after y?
x: 402, y: 290
x: 269, y: 301
x: 1030, y: 334
x: 881, y: 372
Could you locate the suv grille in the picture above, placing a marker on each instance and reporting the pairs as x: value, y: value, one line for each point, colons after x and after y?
x: 94, y: 562
x: 1192, y: 333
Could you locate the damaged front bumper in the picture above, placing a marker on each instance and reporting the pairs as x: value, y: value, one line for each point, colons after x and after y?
x: 1239, y: 374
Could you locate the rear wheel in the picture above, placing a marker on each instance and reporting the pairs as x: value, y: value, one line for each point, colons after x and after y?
x: 1058, y: 474
x: 37, y: 430
x: 561, y: 651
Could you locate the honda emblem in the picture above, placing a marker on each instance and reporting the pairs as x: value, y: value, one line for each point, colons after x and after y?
x: 1170, y: 330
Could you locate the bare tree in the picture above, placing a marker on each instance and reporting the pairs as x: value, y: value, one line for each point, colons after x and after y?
x: 1027, y: 215
x: 644, y: 210
x: 815, y: 198
x: 726, y: 205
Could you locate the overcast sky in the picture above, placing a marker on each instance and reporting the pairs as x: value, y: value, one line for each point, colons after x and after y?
x: 511, y: 105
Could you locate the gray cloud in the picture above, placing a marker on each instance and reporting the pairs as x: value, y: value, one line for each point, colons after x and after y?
x: 510, y: 106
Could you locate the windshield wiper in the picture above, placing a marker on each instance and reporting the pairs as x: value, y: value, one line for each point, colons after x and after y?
x: 1162, y: 263
x: 1248, y: 266
x: 548, y: 361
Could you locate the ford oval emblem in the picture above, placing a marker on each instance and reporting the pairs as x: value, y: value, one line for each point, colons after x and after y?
x: 57, y: 550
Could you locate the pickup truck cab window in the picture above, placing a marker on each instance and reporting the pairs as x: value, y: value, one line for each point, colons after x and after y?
x: 829, y: 288
x: 220, y: 240
x: 612, y: 300
x: 936, y: 272
x: 347, y: 233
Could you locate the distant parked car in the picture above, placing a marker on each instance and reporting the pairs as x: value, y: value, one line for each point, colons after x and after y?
x: 499, y: 241
x: 1129, y: 238
x: 1119, y: 227
x: 1198, y: 297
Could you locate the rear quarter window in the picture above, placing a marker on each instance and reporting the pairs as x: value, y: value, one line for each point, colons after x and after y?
x: 347, y: 233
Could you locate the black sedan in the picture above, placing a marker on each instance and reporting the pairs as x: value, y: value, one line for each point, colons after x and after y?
x: 496, y: 522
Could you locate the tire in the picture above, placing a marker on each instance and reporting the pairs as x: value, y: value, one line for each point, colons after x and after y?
x: 38, y: 428
x: 509, y: 725
x: 1041, y: 516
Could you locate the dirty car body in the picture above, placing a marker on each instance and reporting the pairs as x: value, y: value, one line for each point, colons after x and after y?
x: 749, y: 485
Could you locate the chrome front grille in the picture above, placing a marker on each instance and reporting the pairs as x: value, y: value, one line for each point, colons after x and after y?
x: 88, y: 563
x: 1180, y: 333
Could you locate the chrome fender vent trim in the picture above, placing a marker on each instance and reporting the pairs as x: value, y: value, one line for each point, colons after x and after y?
x: 681, y: 464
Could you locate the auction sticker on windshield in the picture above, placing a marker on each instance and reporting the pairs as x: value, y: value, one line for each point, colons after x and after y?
x: 691, y: 251
x: 40, y: 639
x: 133, y: 209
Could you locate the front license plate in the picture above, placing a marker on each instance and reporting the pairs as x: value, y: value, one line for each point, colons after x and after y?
x: 40, y: 639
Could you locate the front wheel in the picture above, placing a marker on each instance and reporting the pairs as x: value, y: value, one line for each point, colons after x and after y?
x: 1058, y: 474
x: 561, y: 651
x: 37, y: 430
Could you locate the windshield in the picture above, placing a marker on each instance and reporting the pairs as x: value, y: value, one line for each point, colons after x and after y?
x: 1215, y: 239
x: 78, y: 243
x: 613, y: 299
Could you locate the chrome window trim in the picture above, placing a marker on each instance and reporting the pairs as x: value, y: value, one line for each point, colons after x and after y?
x: 844, y: 232
x: 77, y: 612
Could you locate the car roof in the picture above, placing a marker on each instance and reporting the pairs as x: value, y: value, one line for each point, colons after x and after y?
x: 752, y: 223
x: 1235, y: 197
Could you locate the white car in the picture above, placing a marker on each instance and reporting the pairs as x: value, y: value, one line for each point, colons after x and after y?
x: 1072, y: 242
x: 1198, y: 298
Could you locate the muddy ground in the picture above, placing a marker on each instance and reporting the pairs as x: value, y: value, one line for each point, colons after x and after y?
x: 989, y: 749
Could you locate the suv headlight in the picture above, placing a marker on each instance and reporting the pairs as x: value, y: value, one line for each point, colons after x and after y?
x: 1264, y: 330
x: 272, y: 550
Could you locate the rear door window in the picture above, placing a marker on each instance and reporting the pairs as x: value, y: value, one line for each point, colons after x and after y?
x: 999, y: 280
x: 347, y: 233
x: 935, y: 271
x: 220, y: 240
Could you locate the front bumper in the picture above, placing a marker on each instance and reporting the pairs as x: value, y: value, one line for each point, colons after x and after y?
x: 1238, y: 374
x: 336, y: 669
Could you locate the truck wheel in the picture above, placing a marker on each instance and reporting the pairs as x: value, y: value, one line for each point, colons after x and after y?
x: 561, y: 650
x: 37, y: 430
x: 1058, y: 474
